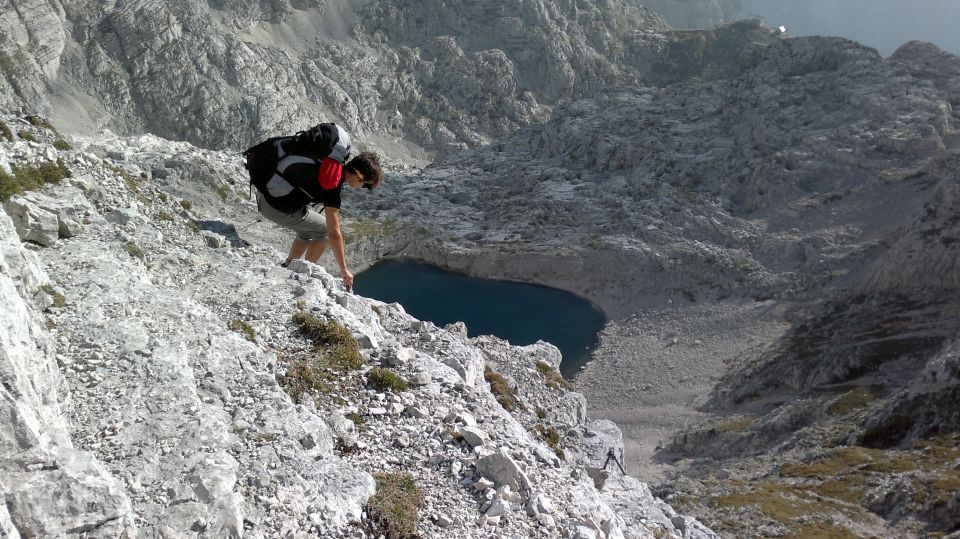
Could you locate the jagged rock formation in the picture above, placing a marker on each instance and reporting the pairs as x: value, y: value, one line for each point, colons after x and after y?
x: 810, y: 193
x: 146, y: 354
x: 227, y: 73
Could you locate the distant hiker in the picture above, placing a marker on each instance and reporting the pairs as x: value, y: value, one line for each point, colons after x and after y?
x: 311, y: 167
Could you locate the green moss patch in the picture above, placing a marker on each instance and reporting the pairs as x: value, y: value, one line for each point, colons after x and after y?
x: 386, y: 380
x: 395, y: 509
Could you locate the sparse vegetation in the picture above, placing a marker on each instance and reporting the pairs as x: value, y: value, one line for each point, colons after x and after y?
x: 29, y: 178
x: 809, y: 496
x: 134, y: 250
x: 223, y: 191
x: 5, y: 132
x: 26, y: 135
x: 42, y: 123
x: 336, y: 352
x: 186, y: 204
x: 853, y: 400
x: 541, y: 413
x: 395, y: 509
x: 244, y: 329
x: 304, y: 377
x: 58, y: 299
x: 386, y: 380
x: 357, y: 419
x: 552, y: 439
x: 192, y: 225
x: 554, y: 379
x: 501, y: 389
x: 164, y: 216
x: 61, y: 145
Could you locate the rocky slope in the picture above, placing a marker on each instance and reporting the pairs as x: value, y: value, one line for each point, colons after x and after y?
x: 784, y: 230
x: 156, y: 381
x: 223, y: 74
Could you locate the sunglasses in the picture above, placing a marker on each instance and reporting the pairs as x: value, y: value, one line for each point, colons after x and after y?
x: 368, y: 186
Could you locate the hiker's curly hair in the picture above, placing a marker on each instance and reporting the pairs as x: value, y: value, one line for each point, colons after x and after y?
x: 368, y: 165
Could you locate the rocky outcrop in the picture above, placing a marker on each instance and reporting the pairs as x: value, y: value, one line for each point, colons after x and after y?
x: 175, y: 351
x: 229, y: 73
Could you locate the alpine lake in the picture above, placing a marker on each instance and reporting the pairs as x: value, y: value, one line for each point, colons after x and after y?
x: 521, y: 313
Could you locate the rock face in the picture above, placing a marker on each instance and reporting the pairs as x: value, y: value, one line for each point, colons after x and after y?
x: 144, y: 388
x: 231, y: 72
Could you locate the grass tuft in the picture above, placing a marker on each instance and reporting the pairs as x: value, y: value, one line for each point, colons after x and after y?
x: 501, y: 389
x: 386, y: 380
x: 357, y: 419
x: 43, y: 123
x: 303, y: 378
x: 395, y: 508
x: 26, y: 135
x: 5, y: 132
x: 554, y: 379
x: 134, y: 250
x: 243, y: 328
x: 61, y: 145
x: 336, y: 352
x: 30, y: 178
x: 186, y: 204
x: 58, y: 299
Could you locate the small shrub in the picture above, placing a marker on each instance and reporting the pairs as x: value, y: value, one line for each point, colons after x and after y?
x: 340, y: 347
x: 501, y: 389
x: 395, y: 509
x: 61, y: 145
x: 186, y: 204
x: 164, y: 216
x: 243, y: 328
x: 303, y: 377
x: 192, y: 225
x: 134, y: 250
x: 549, y: 435
x: 163, y: 197
x: 58, y: 299
x: 29, y: 178
x: 386, y: 380
x: 541, y: 414
x: 554, y: 379
x: 43, y: 123
x: 27, y: 136
x: 5, y: 132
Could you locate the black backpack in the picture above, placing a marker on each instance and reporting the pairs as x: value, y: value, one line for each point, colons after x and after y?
x: 261, y: 163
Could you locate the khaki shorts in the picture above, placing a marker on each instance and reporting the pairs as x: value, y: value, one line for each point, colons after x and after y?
x: 309, y: 225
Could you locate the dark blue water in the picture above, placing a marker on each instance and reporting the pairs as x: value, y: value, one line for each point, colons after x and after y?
x: 518, y: 312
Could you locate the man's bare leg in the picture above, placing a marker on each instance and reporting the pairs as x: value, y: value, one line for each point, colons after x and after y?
x: 297, y: 249
x: 315, y: 250
x: 310, y: 250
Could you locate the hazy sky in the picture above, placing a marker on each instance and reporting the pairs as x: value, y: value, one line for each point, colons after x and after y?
x: 883, y: 24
